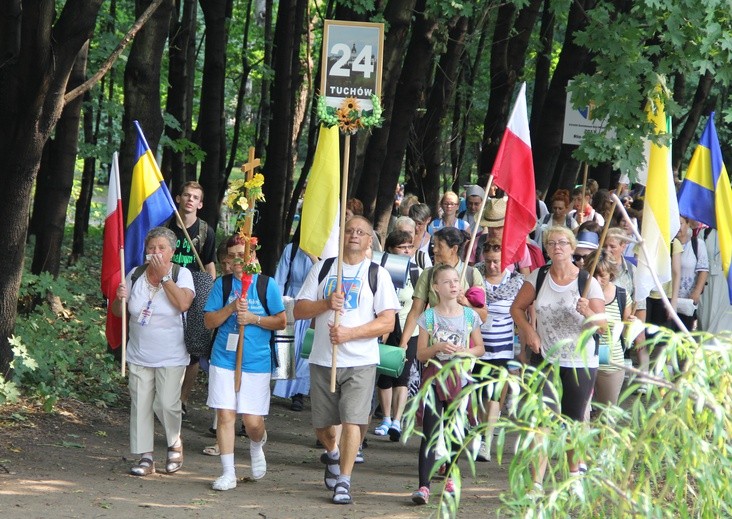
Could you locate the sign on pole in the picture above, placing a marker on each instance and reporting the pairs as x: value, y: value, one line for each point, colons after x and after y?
x: 352, y: 62
x: 578, y: 121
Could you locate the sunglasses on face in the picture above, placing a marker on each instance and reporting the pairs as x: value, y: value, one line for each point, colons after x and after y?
x: 579, y: 257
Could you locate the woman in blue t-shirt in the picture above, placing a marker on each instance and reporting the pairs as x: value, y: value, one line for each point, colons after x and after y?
x: 252, y: 399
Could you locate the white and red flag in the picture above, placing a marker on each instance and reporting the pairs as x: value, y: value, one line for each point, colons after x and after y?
x: 513, y: 171
x: 114, y: 242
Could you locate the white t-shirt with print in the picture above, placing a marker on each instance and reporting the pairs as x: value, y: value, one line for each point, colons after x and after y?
x: 691, y: 265
x: 160, y: 342
x: 559, y: 324
x: 361, y: 307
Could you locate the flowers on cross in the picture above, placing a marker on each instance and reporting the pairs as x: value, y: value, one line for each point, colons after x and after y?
x: 349, y: 116
x: 241, y: 193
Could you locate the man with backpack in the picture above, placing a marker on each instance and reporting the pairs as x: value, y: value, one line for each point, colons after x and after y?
x: 367, y: 304
x: 190, y: 200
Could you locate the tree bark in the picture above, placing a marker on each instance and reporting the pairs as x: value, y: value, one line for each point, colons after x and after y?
x: 263, y: 121
x: 398, y: 15
x: 142, y: 89
x: 278, y: 162
x: 83, y: 203
x: 38, y: 58
x: 547, y: 140
x: 211, y: 125
x: 543, y: 64
x: 508, y: 55
x: 410, y: 91
x: 56, y: 177
x: 698, y: 108
x: 181, y: 73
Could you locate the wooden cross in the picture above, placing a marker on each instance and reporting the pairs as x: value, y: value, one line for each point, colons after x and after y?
x: 248, y: 170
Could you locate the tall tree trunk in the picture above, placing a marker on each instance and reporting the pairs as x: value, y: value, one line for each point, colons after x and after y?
x: 56, y: 177
x: 508, y: 55
x: 431, y: 125
x: 181, y: 73
x: 547, y: 139
x: 211, y: 125
x: 543, y: 64
x: 38, y: 57
x: 287, y: 36
x: 398, y: 15
x: 698, y: 108
x: 410, y: 91
x: 263, y: 120
x: 142, y: 89
x: 83, y: 203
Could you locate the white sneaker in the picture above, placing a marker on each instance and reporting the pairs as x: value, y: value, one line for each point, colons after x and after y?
x: 224, y: 483
x: 259, y: 462
x: 483, y: 453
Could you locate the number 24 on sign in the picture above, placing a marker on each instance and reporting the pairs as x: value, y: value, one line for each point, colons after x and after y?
x: 362, y: 63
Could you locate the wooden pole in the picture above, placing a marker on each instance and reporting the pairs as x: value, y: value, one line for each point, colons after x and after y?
x: 124, y: 309
x: 341, y: 241
x: 475, y: 229
x: 248, y: 169
x: 599, y: 248
x: 581, y: 212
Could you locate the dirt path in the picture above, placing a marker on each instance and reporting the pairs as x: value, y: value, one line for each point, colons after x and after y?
x: 75, y: 464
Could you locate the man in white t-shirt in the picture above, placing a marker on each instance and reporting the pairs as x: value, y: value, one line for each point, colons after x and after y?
x: 366, y: 312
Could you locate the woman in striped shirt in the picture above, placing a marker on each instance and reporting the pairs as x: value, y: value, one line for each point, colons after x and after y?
x: 501, y: 288
x: 618, y: 304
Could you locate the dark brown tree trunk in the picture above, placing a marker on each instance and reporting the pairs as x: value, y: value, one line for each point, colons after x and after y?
x: 429, y: 132
x: 38, y: 56
x: 56, y: 177
x: 263, y: 120
x: 699, y: 107
x: 398, y: 15
x: 508, y: 55
x: 543, y: 64
x: 211, y: 125
x: 547, y: 139
x: 142, y: 89
x: 181, y: 72
x: 278, y: 162
x: 410, y: 92
x: 83, y: 203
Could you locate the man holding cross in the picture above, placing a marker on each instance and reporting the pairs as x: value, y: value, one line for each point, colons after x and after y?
x: 367, y: 305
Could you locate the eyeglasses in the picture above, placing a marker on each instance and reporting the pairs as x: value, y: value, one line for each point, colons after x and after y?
x: 579, y: 257
x: 406, y: 247
x: 491, y: 248
x: 233, y: 255
x: 561, y: 243
x: 356, y: 231
x: 449, y: 203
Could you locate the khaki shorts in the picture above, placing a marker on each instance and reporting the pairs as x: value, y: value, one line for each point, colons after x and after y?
x: 351, y: 402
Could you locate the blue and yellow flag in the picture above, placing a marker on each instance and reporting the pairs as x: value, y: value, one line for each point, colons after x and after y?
x: 150, y: 202
x: 706, y: 195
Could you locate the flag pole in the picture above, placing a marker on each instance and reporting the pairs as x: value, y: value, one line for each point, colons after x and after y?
x: 474, y: 233
x: 182, y: 225
x: 581, y: 212
x: 124, y: 312
x: 600, y: 245
x: 341, y: 240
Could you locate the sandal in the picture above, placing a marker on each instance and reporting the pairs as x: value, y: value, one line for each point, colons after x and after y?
x: 212, y: 450
x: 331, y: 476
x: 144, y: 467
x: 175, y: 459
x: 342, y: 493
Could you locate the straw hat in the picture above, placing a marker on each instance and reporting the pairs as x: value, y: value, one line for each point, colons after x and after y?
x: 494, y: 213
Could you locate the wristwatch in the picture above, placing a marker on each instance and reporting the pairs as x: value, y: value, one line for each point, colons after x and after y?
x: 165, y: 279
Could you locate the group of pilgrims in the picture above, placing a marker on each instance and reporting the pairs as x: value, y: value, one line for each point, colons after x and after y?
x: 453, y: 302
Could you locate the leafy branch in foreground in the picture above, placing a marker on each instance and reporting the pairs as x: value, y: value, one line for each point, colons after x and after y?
x: 664, y: 454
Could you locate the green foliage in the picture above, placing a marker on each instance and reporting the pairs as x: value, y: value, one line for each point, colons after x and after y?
x: 63, y: 356
x: 664, y: 454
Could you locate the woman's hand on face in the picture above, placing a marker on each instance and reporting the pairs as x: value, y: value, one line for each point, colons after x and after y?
x: 158, y: 267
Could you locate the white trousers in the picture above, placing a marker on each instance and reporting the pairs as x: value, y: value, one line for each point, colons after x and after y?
x: 154, y: 392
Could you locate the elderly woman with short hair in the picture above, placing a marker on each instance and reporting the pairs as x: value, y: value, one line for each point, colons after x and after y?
x: 562, y: 312
x: 157, y: 294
